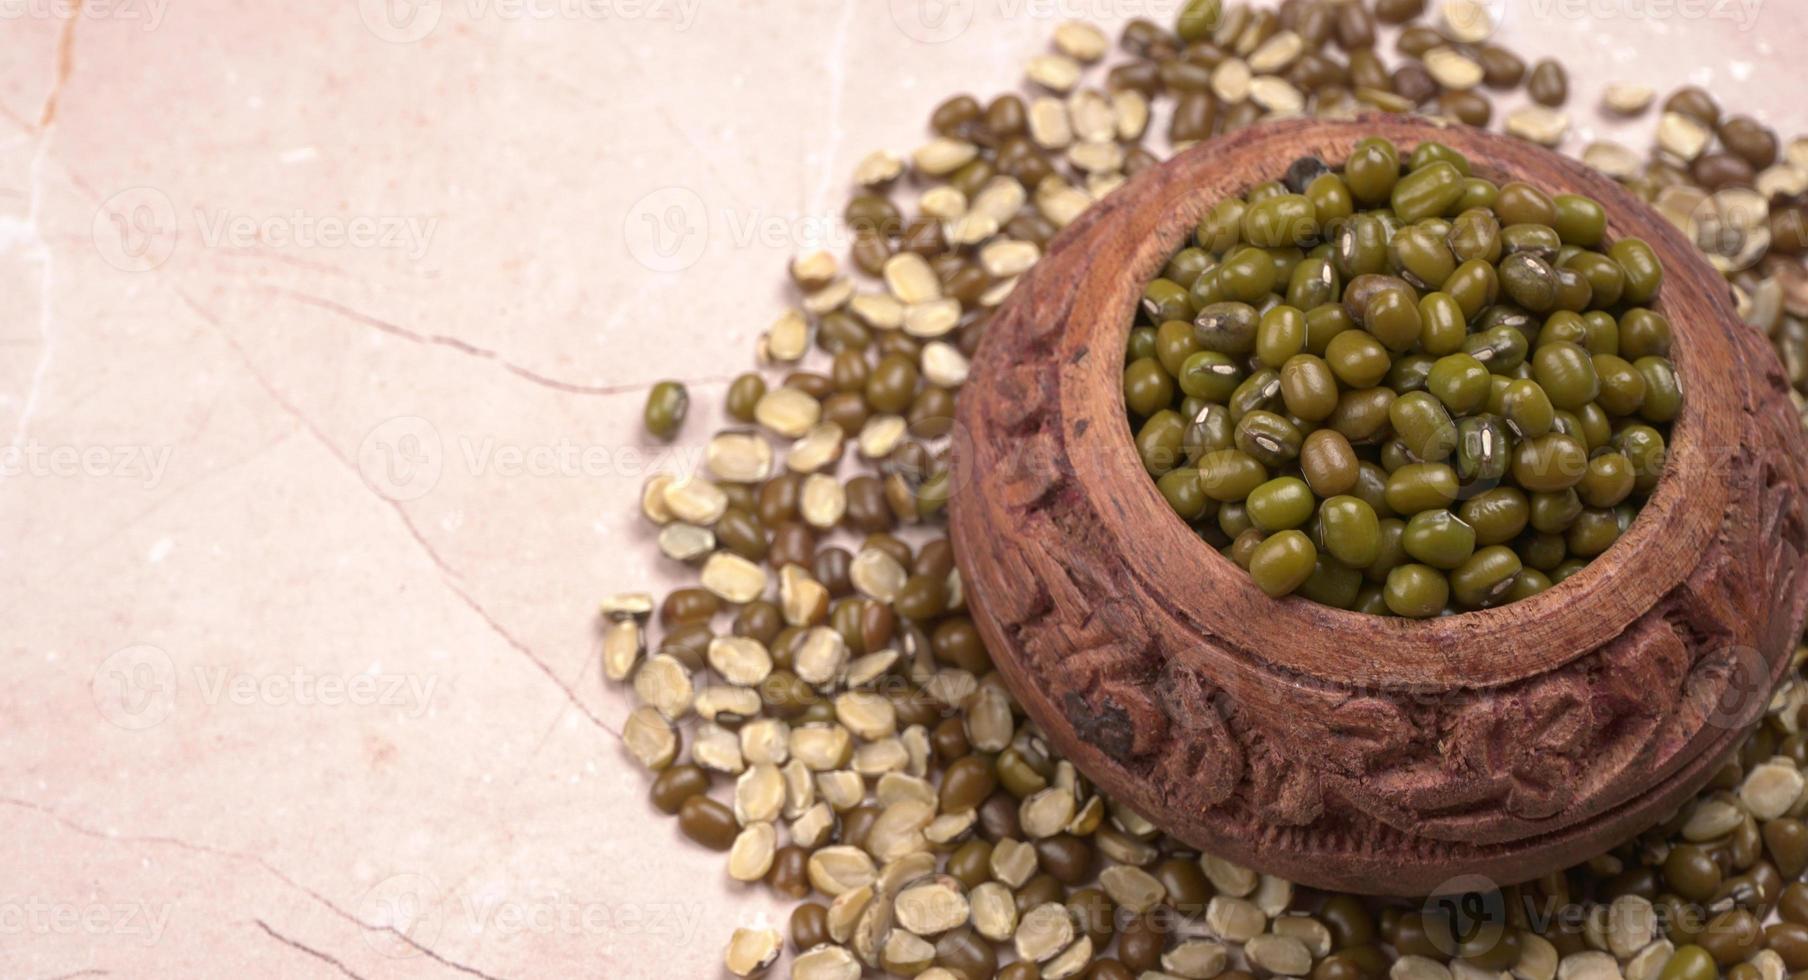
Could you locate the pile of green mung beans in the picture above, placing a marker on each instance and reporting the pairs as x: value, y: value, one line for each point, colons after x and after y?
x: 814, y: 761
x: 1401, y: 388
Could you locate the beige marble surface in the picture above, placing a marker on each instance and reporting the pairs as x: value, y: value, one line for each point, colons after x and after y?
x: 324, y: 330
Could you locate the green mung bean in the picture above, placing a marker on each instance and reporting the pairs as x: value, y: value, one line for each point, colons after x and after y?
x: 1464, y: 374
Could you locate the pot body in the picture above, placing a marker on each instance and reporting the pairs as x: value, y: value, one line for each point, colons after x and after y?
x: 1332, y: 748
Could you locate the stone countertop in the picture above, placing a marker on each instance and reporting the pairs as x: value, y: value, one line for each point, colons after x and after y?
x: 323, y: 341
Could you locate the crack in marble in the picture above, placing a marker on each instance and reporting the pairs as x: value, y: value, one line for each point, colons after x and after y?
x: 46, y: 129
x: 65, y: 63
x: 835, y: 64
x: 327, y: 958
x: 461, y: 346
x: 238, y: 856
x: 264, y: 253
x: 449, y: 575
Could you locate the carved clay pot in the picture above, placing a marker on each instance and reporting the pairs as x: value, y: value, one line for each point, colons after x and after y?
x: 1337, y: 749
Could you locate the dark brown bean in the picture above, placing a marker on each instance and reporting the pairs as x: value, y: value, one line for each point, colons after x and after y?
x: 898, y: 550
x: 893, y: 384
x: 956, y: 116
x: 1315, y: 23
x: 1350, y: 921
x: 934, y: 558
x: 967, y: 954
x: 1751, y: 140
x: 949, y: 740
x: 793, y: 543
x: 785, y: 694
x: 967, y: 783
x: 1315, y: 72
x: 708, y: 823
x: 1418, y: 39
x: 1493, y: 952
x: 1792, y: 905
x: 1143, y: 37
x: 971, y: 863
x: 1355, y: 27
x: 743, y: 394
x: 867, y: 510
x: 1691, y: 872
x: 790, y: 874
x: 1414, y: 83
x: 1023, y: 160
x: 1040, y: 890
x: 1717, y: 170
x: 1691, y: 100
x: 1337, y: 966
x: 1367, y: 70
x: 742, y: 532
x: 924, y: 597
x: 1181, y: 76
x: 870, y: 252
x: 689, y: 643
x: 1548, y: 84
x: 1790, y: 941
x: 846, y: 409
x: 688, y: 606
x: 998, y: 817
x: 1789, y: 229
x: 877, y: 625
x: 1142, y: 941
x: 1066, y: 858
x: 1786, y: 842
x: 743, y: 495
x: 1413, y: 934
x: 1195, y: 113
x: 1501, y: 69
x: 1006, y: 116
x: 873, y: 214
x: 759, y: 620
x: 857, y: 823
x: 916, y: 707
x: 1732, y: 937
x: 931, y: 415
x: 677, y: 784
x: 1141, y: 76
x: 1398, y: 11
x: 1094, y: 915
x: 1640, y: 881
x: 1188, y: 889
x: 1469, y: 108
x: 809, y: 926
x: 957, y: 643
x: 830, y: 567
x: 778, y: 499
